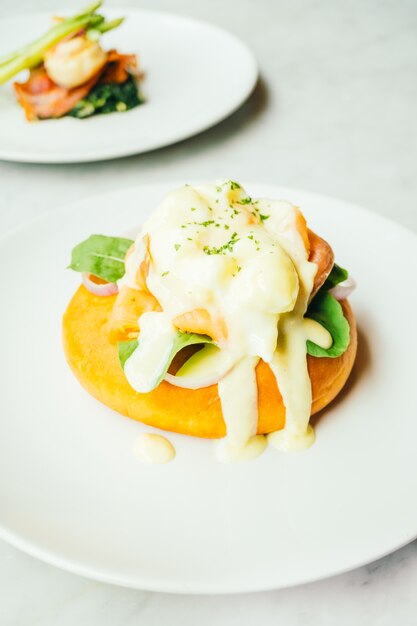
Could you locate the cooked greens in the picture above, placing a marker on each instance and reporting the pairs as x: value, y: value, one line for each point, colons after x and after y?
x: 107, y: 98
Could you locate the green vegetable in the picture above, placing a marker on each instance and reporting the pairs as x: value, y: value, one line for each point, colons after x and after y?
x: 53, y: 31
x: 127, y: 348
x: 107, y: 98
x: 336, y: 276
x: 31, y: 55
x: 327, y: 311
x: 228, y: 246
x: 101, y: 256
x: 95, y: 32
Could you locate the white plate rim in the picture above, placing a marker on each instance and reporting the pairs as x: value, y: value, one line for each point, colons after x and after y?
x: 153, y: 585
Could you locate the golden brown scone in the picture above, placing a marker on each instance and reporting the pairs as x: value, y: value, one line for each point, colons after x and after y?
x: 95, y: 363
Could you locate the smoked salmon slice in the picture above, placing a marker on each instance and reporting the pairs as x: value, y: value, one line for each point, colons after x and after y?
x: 41, y: 98
x: 201, y: 322
x: 322, y: 255
x: 128, y: 307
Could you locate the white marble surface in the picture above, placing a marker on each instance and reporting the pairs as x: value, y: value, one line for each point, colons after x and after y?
x: 335, y: 112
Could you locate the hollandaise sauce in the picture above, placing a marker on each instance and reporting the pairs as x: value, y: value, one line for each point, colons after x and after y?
x: 226, y: 265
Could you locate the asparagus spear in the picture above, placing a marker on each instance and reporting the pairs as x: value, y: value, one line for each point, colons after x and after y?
x: 96, y: 32
x: 32, y: 54
x: 89, y: 10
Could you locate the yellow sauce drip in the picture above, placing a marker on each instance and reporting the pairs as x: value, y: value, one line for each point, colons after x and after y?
x: 245, y: 263
x: 156, y: 341
x: 238, y: 393
x: 286, y: 442
x: 251, y: 449
x: 153, y: 449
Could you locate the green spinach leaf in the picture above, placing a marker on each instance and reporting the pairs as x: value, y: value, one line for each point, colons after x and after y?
x: 101, y: 256
x: 327, y: 311
x: 127, y: 348
x: 336, y: 276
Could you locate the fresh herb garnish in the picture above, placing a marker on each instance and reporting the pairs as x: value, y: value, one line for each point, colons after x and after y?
x: 226, y: 247
x: 206, y: 223
x: 101, y: 256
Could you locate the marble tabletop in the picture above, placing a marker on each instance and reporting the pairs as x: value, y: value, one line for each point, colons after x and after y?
x: 334, y: 112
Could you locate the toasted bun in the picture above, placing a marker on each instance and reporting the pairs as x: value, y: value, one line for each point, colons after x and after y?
x: 95, y: 363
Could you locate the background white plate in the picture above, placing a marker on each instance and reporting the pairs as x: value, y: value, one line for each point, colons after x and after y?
x: 72, y: 493
x: 196, y: 75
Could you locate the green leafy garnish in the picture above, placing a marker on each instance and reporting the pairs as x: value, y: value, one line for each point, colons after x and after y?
x: 101, y: 256
x: 327, y: 311
x: 107, y: 98
x: 182, y: 340
x: 336, y: 276
x: 125, y: 350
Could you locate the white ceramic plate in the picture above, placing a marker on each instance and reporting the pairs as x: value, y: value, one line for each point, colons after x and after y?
x: 196, y: 75
x: 72, y: 492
